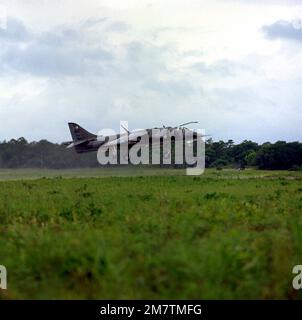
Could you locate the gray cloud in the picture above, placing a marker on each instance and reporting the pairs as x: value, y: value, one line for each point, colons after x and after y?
x: 62, y: 52
x: 46, y: 61
x: 284, y: 30
x: 14, y: 31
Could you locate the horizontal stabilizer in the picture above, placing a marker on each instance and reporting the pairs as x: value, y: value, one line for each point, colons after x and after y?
x: 77, y: 143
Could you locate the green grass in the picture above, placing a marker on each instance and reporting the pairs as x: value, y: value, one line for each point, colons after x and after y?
x: 224, y: 235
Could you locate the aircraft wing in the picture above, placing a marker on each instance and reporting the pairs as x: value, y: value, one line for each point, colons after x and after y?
x: 130, y: 139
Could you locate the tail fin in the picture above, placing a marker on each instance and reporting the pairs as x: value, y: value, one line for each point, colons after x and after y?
x: 78, y: 133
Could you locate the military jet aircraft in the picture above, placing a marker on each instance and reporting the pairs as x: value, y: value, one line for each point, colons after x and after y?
x: 84, y: 141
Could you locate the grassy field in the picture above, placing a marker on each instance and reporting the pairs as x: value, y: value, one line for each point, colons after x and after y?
x: 103, y: 233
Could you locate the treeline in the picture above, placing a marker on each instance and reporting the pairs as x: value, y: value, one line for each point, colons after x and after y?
x: 272, y: 156
x: 43, y: 154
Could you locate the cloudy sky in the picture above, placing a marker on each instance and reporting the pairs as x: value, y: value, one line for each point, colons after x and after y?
x: 233, y: 65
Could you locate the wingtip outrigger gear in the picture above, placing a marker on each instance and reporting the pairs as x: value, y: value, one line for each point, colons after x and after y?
x: 184, y: 124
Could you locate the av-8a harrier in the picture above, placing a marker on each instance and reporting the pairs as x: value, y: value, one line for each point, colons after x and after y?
x: 84, y: 141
